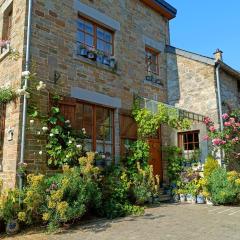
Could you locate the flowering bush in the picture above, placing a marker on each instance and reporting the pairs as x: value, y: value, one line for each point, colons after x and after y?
x: 223, y: 187
x: 64, y: 146
x: 228, y: 139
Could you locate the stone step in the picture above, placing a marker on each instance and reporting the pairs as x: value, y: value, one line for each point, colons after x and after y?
x: 164, y: 198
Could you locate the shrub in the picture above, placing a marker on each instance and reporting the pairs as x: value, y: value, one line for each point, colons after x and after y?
x: 210, y: 165
x: 115, y: 189
x: 9, y: 205
x: 223, y: 186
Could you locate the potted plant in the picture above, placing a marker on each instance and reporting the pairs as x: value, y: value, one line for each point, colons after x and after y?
x: 21, y: 170
x: 92, y: 53
x: 200, y: 198
x: 100, y: 55
x: 207, y: 198
x: 112, y: 62
x: 182, y: 194
x: 9, y: 210
x: 106, y: 60
x: 83, y: 51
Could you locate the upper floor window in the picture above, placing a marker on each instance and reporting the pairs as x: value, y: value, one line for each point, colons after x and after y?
x: 7, y: 23
x: 152, y: 63
x: 93, y: 35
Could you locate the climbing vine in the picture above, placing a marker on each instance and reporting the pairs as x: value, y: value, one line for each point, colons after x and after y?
x: 148, y: 122
x: 6, y: 95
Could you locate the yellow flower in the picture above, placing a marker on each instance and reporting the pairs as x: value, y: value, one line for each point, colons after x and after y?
x: 46, y: 217
x: 90, y: 156
x: 237, y: 181
x: 22, y: 216
x: 65, y: 168
x: 51, y: 204
x: 34, y: 180
x: 65, y: 183
x: 62, y: 208
x: 57, y: 196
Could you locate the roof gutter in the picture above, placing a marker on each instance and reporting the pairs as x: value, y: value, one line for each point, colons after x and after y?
x: 220, y: 112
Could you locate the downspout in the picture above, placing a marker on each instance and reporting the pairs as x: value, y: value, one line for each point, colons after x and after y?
x: 220, y: 112
x: 24, y: 111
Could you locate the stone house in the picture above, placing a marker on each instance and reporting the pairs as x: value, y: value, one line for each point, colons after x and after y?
x: 193, y: 82
x: 131, y: 38
x: 134, y: 32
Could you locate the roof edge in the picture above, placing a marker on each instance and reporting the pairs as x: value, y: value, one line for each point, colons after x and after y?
x: 162, y: 7
x: 190, y: 55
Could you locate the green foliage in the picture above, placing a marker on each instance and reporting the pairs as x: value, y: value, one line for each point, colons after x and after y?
x: 175, y: 160
x: 149, y: 123
x: 115, y: 189
x: 64, y: 146
x: 6, y: 95
x: 210, y: 165
x: 9, y: 205
x: 138, y: 153
x: 223, y: 186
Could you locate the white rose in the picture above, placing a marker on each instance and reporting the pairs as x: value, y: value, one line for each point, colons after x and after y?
x: 40, y: 152
x: 103, y: 156
x: 70, y: 142
x: 25, y: 74
x: 67, y: 121
x: 79, y: 146
x: 51, y: 134
x: 44, y: 129
x: 31, y: 121
x: 38, y: 133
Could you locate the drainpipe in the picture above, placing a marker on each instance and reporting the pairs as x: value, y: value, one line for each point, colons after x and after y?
x: 220, y: 112
x: 24, y: 112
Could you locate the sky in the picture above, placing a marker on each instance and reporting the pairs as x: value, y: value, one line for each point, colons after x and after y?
x: 203, y: 26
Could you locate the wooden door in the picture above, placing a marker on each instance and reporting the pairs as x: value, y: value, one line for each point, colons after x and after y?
x: 156, y: 157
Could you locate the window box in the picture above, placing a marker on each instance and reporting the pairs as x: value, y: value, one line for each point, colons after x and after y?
x: 106, y: 60
x: 91, y: 55
x: 4, y: 48
x: 83, y: 51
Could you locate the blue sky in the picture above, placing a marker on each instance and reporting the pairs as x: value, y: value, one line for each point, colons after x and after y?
x: 203, y: 26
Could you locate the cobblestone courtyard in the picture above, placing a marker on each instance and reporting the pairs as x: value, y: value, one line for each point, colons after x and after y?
x: 174, y: 222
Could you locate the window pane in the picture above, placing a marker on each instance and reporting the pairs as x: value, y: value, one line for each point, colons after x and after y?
x: 190, y: 137
x: 100, y: 33
x: 190, y: 146
x: 80, y: 24
x: 185, y: 138
x: 100, y: 45
x: 88, y: 27
x: 108, y: 48
x: 80, y: 37
x: 103, y: 116
x: 108, y: 37
x: 89, y: 40
x: 196, y: 139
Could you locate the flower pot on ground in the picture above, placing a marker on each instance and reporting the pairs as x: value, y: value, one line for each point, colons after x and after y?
x: 12, y: 227
x: 182, y: 197
x: 209, y: 202
x: 175, y: 198
x: 194, y: 199
x: 200, y: 199
x: 189, y: 198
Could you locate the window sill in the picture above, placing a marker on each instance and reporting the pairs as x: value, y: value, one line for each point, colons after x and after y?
x: 4, y: 51
x: 96, y: 64
x: 161, y: 86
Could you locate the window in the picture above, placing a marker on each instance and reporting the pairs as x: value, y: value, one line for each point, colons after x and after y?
x: 7, y: 23
x: 92, y: 35
x: 189, y: 141
x: 98, y: 123
x: 152, y: 64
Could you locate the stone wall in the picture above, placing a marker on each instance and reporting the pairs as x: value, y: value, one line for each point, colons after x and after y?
x: 54, y: 49
x: 229, y: 91
x: 10, y: 75
x: 191, y: 85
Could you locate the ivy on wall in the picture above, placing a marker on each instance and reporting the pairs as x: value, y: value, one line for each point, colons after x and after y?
x: 6, y: 95
x: 148, y: 122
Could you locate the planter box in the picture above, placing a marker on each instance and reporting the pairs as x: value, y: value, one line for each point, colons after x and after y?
x: 106, y: 60
x: 83, y: 52
x: 99, y: 59
x: 91, y: 56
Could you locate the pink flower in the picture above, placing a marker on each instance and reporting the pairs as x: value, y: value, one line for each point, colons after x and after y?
x: 207, y: 120
x: 238, y: 124
x: 225, y: 116
x: 212, y: 128
x: 206, y: 138
x: 227, y: 136
x: 236, y: 139
x: 232, y: 120
x: 227, y: 124
x: 218, y: 142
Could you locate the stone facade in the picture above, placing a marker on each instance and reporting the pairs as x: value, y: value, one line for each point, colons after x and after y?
x: 10, y: 75
x: 53, y: 50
